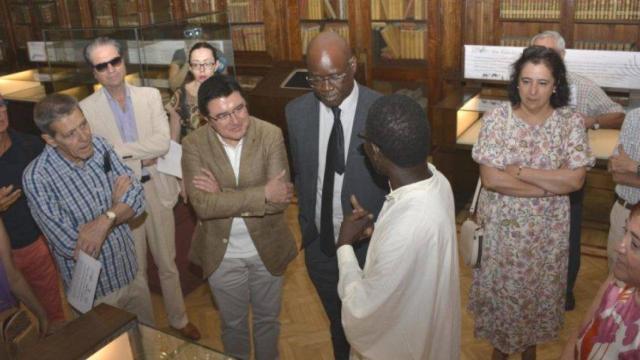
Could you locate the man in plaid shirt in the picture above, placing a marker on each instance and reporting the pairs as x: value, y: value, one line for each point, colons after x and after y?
x: 598, y: 111
x: 81, y: 195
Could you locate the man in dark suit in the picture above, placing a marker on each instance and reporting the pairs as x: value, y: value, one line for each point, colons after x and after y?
x: 329, y: 165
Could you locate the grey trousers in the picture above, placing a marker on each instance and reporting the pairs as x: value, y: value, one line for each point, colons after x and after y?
x: 236, y: 285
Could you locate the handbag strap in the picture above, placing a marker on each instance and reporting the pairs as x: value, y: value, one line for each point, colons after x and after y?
x: 472, y: 209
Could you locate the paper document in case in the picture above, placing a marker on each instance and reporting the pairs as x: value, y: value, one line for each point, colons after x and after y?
x: 84, y: 282
x: 170, y: 163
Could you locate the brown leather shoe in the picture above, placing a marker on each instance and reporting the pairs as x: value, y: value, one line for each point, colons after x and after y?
x: 190, y: 331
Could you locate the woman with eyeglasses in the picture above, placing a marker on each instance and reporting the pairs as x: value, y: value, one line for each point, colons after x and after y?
x: 183, y: 106
x: 532, y: 152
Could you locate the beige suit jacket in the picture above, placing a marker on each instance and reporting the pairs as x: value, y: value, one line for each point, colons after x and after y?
x: 152, y: 125
x: 263, y: 157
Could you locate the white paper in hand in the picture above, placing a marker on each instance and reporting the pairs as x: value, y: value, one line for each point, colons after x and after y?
x: 170, y: 162
x: 84, y: 282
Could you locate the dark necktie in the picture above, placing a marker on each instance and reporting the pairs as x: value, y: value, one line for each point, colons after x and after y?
x: 334, y: 164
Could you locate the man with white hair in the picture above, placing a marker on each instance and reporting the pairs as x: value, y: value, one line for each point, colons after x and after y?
x: 598, y: 111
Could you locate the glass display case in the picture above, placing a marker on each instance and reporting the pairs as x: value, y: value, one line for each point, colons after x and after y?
x: 148, y: 51
x: 106, y: 332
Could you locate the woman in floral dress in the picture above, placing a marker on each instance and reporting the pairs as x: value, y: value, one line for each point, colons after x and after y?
x: 532, y: 153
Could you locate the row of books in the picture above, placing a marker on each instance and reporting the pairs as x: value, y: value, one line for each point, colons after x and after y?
x: 323, y: 9
x: 309, y: 31
x: 579, y: 44
x: 403, y: 41
x: 515, y: 41
x: 248, y: 38
x: 200, y: 6
x: 607, y: 9
x: 602, y: 45
x: 20, y: 14
x: 398, y: 9
x: 529, y: 9
x: 245, y: 11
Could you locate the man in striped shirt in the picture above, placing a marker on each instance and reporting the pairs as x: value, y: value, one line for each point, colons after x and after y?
x: 81, y: 195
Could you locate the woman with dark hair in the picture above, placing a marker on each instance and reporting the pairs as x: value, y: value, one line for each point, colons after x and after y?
x: 532, y: 152
x: 183, y: 107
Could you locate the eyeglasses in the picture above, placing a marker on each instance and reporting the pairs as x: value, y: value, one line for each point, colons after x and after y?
x: 238, y: 110
x: 333, y: 79
x: 116, y: 61
x: 202, y: 66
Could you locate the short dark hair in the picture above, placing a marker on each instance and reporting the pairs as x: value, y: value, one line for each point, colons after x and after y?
x: 399, y: 127
x: 100, y: 41
x: 203, y: 45
x: 51, y: 109
x: 216, y: 87
x: 541, y: 55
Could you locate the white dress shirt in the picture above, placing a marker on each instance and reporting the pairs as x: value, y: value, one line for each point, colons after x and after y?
x: 240, y: 244
x: 405, y: 304
x: 347, y: 115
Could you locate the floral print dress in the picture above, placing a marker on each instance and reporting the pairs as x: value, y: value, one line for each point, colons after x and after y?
x: 186, y: 106
x: 517, y: 295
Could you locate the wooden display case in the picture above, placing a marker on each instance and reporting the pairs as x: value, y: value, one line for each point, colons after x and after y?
x: 106, y: 332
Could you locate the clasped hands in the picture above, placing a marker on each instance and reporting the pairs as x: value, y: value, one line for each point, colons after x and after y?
x: 91, y: 235
x: 356, y: 226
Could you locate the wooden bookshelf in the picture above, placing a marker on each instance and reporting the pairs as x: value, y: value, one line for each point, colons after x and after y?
x: 585, y: 24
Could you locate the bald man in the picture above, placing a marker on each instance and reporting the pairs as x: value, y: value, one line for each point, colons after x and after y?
x: 329, y: 166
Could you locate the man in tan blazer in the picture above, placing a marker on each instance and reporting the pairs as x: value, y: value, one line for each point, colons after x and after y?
x: 133, y: 120
x: 236, y: 176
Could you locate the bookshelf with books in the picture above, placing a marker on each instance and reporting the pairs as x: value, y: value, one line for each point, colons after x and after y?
x: 247, y: 24
x: 585, y: 24
x: 322, y: 15
x: 399, y: 30
x: 195, y: 7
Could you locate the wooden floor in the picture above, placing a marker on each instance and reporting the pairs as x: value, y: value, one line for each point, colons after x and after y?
x: 305, y: 328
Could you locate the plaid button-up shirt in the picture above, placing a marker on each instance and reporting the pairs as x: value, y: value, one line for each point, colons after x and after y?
x: 630, y: 140
x: 588, y: 98
x: 63, y: 196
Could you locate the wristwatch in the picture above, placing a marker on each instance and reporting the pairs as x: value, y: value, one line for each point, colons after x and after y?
x: 110, y: 215
x: 596, y: 125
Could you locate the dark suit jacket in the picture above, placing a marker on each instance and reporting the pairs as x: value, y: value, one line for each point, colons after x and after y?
x: 303, y: 121
x: 263, y: 157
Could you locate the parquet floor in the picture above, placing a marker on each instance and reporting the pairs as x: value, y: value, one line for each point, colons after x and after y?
x: 305, y: 329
